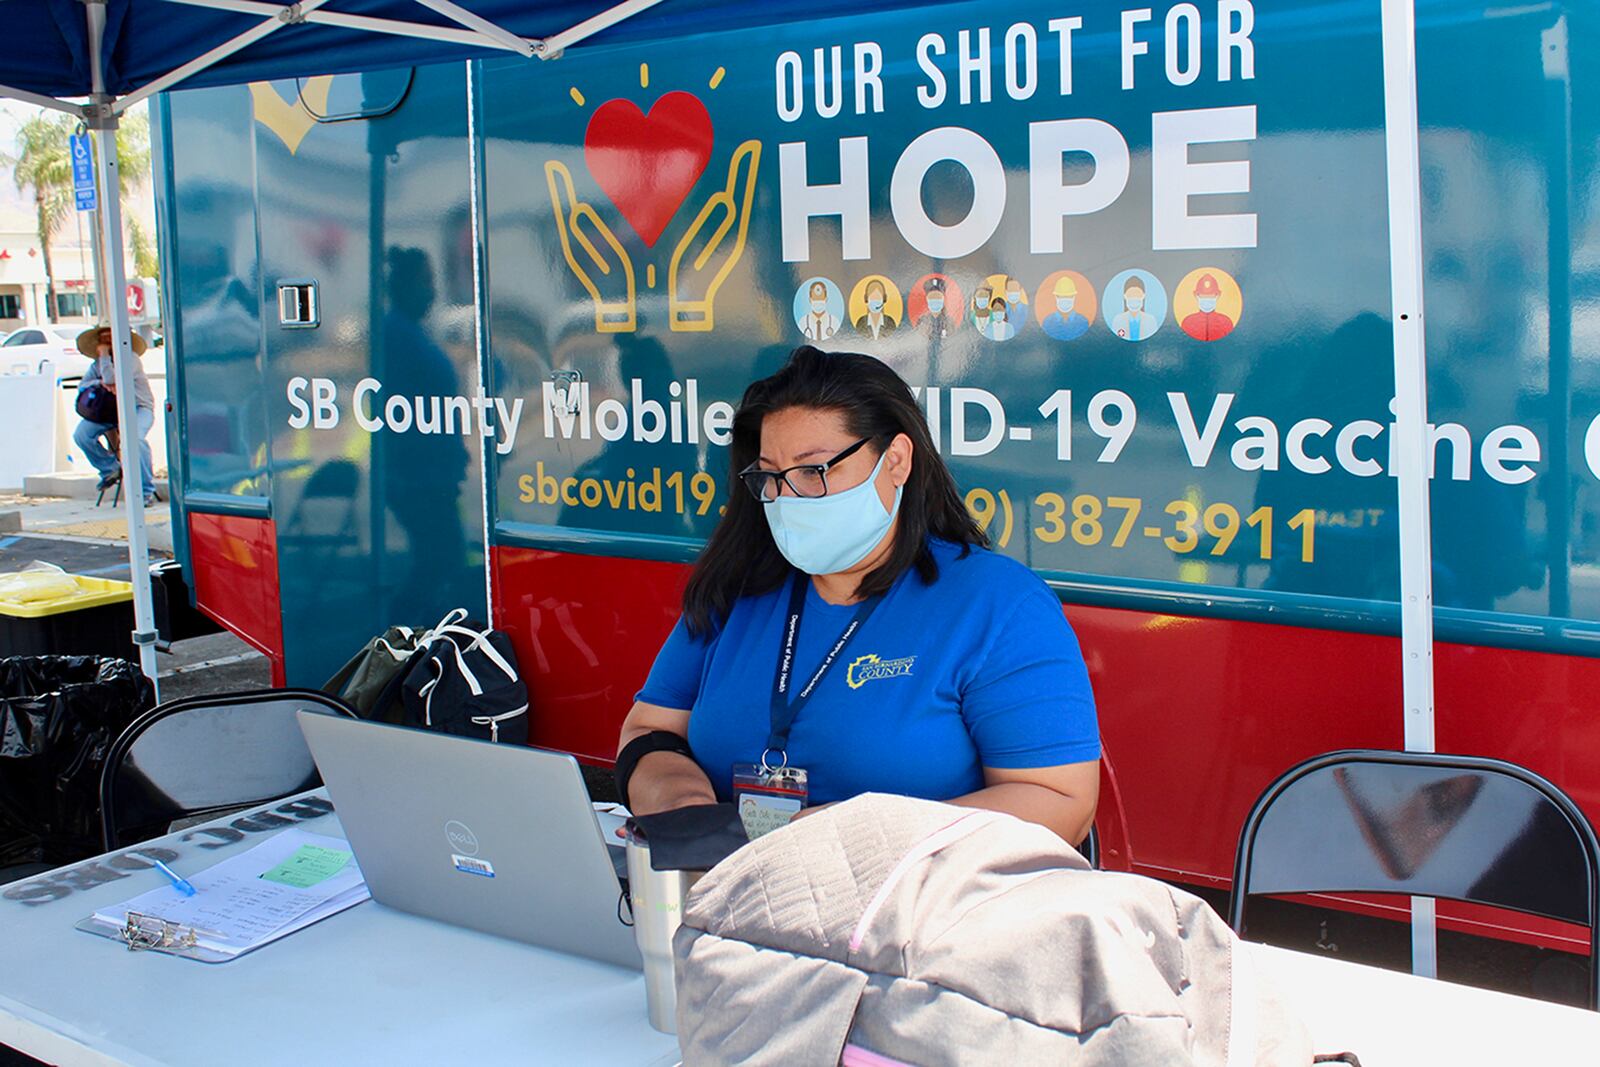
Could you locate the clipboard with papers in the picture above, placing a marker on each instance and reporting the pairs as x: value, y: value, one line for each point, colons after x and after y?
x: 284, y: 884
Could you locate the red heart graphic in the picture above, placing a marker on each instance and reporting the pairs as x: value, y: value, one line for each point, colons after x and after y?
x: 648, y: 163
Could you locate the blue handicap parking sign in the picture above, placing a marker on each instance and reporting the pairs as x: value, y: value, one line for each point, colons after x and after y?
x: 82, y: 172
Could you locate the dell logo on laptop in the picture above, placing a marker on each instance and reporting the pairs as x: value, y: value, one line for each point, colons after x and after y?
x: 461, y: 838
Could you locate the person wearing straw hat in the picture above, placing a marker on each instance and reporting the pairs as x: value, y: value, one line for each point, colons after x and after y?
x: 95, y: 343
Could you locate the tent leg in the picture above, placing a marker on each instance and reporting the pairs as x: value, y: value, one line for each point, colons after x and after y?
x: 104, y: 133
x: 1402, y: 141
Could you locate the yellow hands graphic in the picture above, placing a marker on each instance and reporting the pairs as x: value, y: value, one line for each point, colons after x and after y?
x: 713, y: 258
x: 615, y: 309
x: 606, y: 271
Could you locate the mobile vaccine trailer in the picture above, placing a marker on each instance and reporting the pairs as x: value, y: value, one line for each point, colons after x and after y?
x: 472, y: 335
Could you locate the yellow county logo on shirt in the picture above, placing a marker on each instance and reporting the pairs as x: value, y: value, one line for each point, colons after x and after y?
x: 870, y: 668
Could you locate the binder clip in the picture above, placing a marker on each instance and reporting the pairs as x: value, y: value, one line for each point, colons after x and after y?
x: 143, y: 932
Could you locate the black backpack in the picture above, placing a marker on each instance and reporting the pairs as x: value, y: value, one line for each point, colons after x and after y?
x: 96, y: 403
x: 463, y: 680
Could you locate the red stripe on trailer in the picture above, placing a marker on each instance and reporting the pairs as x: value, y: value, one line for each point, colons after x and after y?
x: 586, y: 630
x: 234, y: 560
x: 1198, y: 716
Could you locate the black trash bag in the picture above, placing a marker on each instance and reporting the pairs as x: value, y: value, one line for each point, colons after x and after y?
x: 58, y: 717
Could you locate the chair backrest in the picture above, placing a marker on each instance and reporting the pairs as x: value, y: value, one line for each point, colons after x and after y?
x: 1090, y: 848
x: 1455, y: 827
x: 208, y: 754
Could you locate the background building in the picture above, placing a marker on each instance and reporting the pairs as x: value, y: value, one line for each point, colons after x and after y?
x: 23, y: 282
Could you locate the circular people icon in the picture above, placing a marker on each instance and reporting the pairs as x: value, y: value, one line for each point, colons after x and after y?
x: 1207, y: 304
x: 981, y: 297
x: 999, y: 307
x: 1065, y: 305
x: 1016, y: 305
x: 818, y: 309
x: 876, y: 307
x: 1135, y: 305
x: 934, y: 306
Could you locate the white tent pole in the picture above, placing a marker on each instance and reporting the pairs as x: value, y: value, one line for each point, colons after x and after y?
x: 481, y: 31
x: 506, y: 38
x: 97, y: 84
x: 103, y: 129
x: 553, y: 45
x: 104, y: 133
x: 40, y: 100
x: 364, y: 22
x: 289, y: 16
x: 483, y: 34
x: 1402, y: 141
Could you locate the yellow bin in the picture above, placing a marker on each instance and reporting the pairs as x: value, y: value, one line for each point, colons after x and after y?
x: 46, y: 613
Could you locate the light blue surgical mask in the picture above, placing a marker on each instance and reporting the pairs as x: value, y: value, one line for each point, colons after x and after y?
x: 1012, y: 298
x: 998, y: 316
x: 819, y: 306
x: 875, y: 305
x: 936, y: 304
x: 1064, y: 304
x: 1207, y: 304
x: 1136, y: 303
x: 829, y: 534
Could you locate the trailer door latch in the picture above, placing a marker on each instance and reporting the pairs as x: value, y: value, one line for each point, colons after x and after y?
x: 297, y: 303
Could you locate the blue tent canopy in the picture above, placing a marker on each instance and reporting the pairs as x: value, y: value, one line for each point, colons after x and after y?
x: 46, y: 49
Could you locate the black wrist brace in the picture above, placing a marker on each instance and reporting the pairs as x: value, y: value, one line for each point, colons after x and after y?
x: 640, y: 747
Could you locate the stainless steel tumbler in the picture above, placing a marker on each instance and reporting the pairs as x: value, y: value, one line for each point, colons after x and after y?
x: 656, y: 898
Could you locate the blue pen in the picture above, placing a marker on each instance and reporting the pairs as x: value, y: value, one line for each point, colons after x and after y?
x: 178, y: 883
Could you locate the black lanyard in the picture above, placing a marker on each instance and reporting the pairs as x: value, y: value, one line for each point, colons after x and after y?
x: 785, y: 711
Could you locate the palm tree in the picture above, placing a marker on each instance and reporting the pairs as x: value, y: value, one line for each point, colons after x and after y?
x: 145, y: 263
x: 44, y: 164
x: 133, y: 150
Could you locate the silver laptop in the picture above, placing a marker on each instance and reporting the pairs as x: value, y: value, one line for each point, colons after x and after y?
x: 499, y: 838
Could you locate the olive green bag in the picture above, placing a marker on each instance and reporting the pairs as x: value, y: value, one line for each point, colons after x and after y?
x: 370, y: 681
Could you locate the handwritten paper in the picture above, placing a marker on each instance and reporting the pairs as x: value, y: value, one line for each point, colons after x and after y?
x: 236, y: 907
x: 309, y: 865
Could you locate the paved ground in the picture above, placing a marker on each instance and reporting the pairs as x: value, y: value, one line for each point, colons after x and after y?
x: 219, y: 663
x: 63, y: 517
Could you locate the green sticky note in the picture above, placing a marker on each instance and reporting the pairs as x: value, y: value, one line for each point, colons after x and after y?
x: 308, y: 866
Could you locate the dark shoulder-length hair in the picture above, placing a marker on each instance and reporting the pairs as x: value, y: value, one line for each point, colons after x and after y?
x: 741, y: 558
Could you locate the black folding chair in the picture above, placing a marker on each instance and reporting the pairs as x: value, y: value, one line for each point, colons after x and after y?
x: 206, y: 755
x: 1453, y: 827
x: 1089, y: 849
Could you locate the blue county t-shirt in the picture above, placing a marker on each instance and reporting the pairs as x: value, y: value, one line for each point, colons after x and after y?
x: 979, y: 669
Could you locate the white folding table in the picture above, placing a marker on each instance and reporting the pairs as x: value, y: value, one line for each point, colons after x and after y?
x: 369, y: 985
x: 1392, y: 1019
x: 374, y: 985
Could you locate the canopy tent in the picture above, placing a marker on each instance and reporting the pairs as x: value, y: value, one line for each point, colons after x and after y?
x: 47, y: 50
x: 118, y: 52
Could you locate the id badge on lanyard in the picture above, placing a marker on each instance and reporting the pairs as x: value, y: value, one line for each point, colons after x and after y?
x: 767, y: 797
x: 771, y: 793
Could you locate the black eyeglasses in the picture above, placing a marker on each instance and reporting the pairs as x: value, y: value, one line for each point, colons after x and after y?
x: 807, y: 479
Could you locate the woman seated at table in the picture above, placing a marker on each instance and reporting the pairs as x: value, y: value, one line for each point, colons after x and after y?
x: 847, y: 620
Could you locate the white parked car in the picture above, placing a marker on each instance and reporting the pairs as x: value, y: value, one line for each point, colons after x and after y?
x: 25, y: 350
